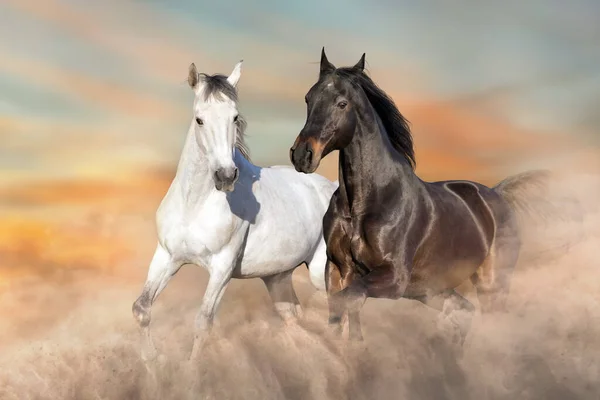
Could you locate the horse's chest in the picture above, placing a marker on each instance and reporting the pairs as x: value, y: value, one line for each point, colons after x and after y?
x: 362, y: 248
x: 195, y: 236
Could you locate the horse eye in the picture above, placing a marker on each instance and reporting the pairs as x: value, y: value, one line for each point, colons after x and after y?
x: 235, y: 119
x: 199, y: 121
x: 342, y: 104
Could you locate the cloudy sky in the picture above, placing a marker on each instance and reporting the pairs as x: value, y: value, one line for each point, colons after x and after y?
x: 97, y: 89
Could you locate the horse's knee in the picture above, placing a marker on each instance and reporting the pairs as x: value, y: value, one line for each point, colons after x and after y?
x: 204, y: 321
x: 356, y: 297
x: 141, y: 313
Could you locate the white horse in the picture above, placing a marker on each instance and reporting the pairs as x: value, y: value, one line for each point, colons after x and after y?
x: 232, y: 217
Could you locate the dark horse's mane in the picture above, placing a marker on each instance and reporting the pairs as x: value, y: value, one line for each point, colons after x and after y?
x: 394, y: 123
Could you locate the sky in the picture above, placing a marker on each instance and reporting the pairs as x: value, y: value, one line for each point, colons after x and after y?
x: 96, y: 90
x: 94, y: 104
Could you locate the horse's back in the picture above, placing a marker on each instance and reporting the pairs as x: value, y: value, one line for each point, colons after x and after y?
x: 295, y: 198
x: 288, y: 226
x: 476, y: 196
x: 314, y: 184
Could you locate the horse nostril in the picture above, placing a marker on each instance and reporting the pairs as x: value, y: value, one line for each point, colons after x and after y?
x: 309, y: 154
x: 236, y: 173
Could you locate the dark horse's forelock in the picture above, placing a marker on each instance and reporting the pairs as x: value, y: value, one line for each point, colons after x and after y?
x: 219, y: 87
x: 394, y: 123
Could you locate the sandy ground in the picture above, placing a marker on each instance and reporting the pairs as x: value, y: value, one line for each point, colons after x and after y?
x: 73, y: 337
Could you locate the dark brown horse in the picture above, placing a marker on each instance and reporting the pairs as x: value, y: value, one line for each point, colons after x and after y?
x: 389, y: 234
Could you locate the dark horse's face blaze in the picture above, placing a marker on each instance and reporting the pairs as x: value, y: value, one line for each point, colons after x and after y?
x: 331, y: 117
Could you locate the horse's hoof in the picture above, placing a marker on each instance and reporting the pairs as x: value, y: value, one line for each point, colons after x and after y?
x: 357, y: 345
x: 290, y: 321
x: 149, y: 354
x: 356, y: 337
x: 293, y: 327
x: 299, y: 312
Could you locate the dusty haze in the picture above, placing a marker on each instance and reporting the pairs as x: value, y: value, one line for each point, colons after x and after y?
x: 93, y: 114
x: 68, y: 333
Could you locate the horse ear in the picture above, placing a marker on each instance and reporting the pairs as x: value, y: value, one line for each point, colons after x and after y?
x: 193, y: 77
x: 326, y: 66
x: 360, y: 65
x: 234, y: 77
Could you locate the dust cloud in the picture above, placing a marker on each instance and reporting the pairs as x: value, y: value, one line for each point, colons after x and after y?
x: 76, y: 338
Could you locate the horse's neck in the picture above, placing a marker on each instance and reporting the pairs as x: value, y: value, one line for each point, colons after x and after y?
x: 369, y: 164
x: 193, y: 181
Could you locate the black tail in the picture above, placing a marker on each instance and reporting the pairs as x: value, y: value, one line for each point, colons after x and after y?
x: 550, y: 220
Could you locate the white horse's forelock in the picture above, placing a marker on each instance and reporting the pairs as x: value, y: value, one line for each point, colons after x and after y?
x: 218, y: 88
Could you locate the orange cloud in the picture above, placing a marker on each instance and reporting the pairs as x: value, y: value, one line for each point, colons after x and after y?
x: 29, y: 246
x: 85, y: 225
x: 127, y: 193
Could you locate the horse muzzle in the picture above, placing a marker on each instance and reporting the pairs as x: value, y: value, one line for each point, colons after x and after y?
x: 225, y: 178
x: 305, y: 157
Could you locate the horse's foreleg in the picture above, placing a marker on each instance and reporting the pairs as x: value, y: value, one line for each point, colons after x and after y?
x: 281, y: 290
x: 217, y: 283
x: 353, y: 297
x: 382, y: 282
x: 162, y: 268
x: 337, y: 305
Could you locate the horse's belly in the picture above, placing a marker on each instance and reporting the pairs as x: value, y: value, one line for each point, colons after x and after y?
x: 270, y: 251
x: 445, y: 270
x: 256, y: 265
